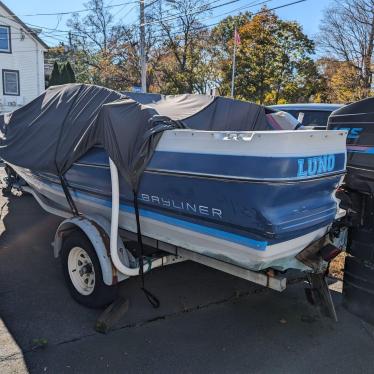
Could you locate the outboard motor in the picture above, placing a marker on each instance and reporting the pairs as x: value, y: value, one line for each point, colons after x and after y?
x: 357, y: 198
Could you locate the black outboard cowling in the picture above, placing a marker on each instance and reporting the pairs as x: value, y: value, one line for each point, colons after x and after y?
x: 358, y: 120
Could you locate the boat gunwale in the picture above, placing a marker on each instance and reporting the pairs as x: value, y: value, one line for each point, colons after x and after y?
x: 228, y: 178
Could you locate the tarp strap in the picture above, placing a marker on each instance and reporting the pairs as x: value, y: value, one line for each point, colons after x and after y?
x: 63, y: 181
x: 151, y: 298
x: 67, y: 193
x: 64, y: 184
x: 298, y: 126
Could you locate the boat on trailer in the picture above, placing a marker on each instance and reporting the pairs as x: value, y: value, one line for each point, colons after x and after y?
x: 248, y: 202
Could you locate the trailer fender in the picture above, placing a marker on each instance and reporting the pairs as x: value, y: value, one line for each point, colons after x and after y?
x: 99, y: 239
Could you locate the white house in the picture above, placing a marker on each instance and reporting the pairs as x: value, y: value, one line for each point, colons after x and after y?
x: 21, y: 62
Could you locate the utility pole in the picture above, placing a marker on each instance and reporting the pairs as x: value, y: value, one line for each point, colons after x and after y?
x: 143, y: 62
x: 70, y: 43
x: 233, y: 66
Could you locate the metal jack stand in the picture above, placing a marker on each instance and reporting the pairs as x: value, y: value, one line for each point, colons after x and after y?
x: 319, y: 294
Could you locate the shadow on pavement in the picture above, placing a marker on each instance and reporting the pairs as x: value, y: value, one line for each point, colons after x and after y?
x: 208, y: 321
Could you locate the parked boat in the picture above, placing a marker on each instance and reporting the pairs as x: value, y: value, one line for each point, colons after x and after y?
x: 248, y: 199
x: 241, y: 195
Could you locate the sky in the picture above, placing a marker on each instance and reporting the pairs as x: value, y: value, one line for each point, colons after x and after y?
x: 307, y: 13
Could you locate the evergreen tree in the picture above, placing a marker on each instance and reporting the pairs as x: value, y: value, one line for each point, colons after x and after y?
x: 65, y: 76
x: 70, y: 72
x: 55, y: 78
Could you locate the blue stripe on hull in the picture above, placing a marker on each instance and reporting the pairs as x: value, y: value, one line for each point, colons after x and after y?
x: 253, y: 167
x: 261, y: 168
x: 202, y: 229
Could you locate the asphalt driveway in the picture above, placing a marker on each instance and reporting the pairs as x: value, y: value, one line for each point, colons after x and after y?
x: 207, y: 322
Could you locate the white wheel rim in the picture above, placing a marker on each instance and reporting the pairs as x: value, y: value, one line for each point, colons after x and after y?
x: 81, y: 271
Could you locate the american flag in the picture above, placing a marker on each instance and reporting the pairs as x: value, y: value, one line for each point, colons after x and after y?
x: 236, y: 37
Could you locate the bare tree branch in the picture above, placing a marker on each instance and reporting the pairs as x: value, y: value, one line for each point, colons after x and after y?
x: 347, y: 34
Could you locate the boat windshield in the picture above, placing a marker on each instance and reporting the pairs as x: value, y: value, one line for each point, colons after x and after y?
x: 311, y: 117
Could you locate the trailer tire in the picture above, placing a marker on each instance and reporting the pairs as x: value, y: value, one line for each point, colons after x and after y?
x: 82, y: 272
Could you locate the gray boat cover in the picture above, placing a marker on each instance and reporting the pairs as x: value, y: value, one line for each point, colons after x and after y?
x: 53, y: 131
x: 143, y: 98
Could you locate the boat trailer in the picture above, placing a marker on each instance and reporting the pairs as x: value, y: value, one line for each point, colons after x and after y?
x: 117, y: 263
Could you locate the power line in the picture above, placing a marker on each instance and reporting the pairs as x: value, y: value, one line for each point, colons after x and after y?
x: 216, y: 23
x: 128, y: 12
x: 270, y: 9
x: 75, y: 11
x: 31, y: 26
x: 56, y: 34
x: 201, y: 9
x: 55, y: 38
x: 247, y: 6
x: 56, y: 30
x: 161, y: 37
x: 137, y: 2
x: 109, y: 6
x: 11, y: 17
x: 238, y: 9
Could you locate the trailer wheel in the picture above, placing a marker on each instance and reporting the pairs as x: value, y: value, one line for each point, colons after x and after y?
x: 82, y: 273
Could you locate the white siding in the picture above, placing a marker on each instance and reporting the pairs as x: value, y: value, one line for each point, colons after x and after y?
x: 28, y: 58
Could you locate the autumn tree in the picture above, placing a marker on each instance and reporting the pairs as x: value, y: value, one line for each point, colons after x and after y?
x: 345, y: 84
x: 92, y: 39
x: 274, y: 61
x: 341, y: 80
x: 221, y: 49
x: 183, y: 41
x: 347, y: 35
x: 95, y: 42
x: 106, y: 52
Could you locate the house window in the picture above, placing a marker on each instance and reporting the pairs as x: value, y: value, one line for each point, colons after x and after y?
x: 11, y: 82
x: 5, y: 44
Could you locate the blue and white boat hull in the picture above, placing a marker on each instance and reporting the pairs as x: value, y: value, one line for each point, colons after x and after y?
x: 253, y: 199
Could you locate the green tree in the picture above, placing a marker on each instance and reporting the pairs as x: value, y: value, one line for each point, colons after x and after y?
x: 274, y: 61
x: 70, y: 72
x: 67, y: 74
x: 55, y: 78
x: 64, y: 75
x: 221, y: 49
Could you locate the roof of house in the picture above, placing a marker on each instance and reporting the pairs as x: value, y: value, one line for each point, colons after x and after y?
x: 27, y: 28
